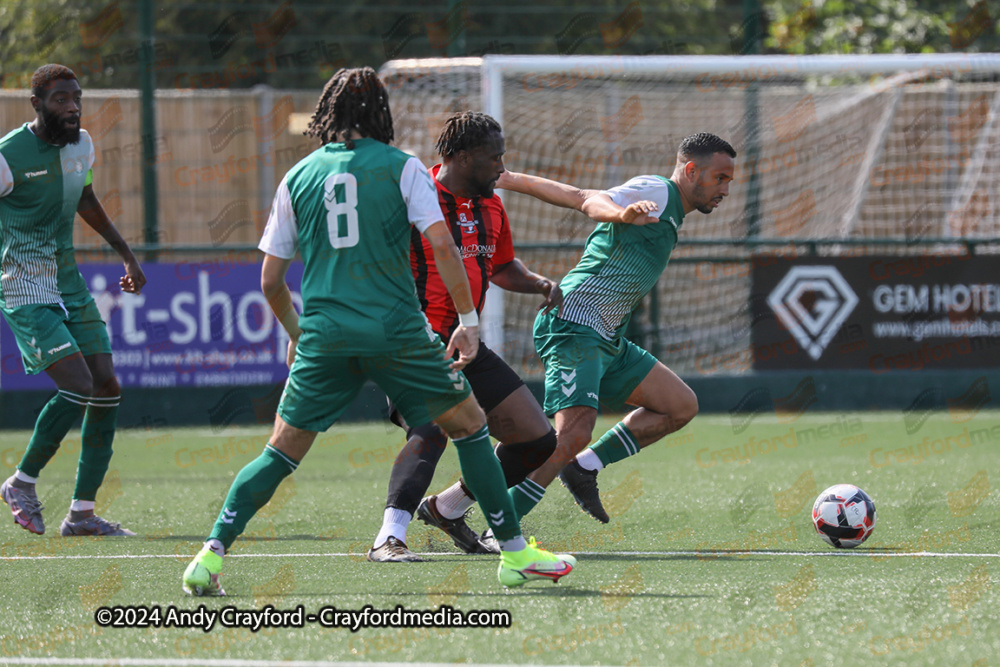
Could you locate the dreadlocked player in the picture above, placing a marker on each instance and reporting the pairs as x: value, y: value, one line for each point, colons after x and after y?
x: 348, y: 207
x: 46, y: 178
x: 472, y: 148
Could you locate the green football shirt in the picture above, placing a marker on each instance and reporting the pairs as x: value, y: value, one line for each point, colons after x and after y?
x: 40, y: 188
x: 621, y: 262
x: 349, y: 214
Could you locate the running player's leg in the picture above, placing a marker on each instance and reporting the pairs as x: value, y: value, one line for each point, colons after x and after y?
x: 465, y: 423
x: 667, y: 405
x: 574, y: 428
x: 319, y: 389
x: 409, y: 479
x: 252, y: 489
x: 520, y: 561
x: 514, y: 417
x: 413, y: 469
x: 423, y: 387
x: 575, y: 358
x: 527, y: 440
x: 259, y: 479
x: 45, y: 345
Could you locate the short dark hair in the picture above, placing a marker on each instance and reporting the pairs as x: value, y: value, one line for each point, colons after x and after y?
x: 46, y: 74
x: 466, y: 130
x: 353, y: 99
x: 702, y: 146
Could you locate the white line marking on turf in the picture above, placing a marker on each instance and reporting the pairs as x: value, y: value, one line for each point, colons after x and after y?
x: 215, y: 662
x: 699, y: 554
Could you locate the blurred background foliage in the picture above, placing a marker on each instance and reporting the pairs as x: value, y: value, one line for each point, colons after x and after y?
x: 299, y: 43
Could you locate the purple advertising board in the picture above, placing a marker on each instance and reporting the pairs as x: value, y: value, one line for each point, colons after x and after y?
x: 196, y: 324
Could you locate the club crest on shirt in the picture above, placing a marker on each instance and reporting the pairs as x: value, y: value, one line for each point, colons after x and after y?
x: 467, y: 223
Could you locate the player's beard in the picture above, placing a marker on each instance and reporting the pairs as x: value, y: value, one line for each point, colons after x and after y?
x: 699, y: 193
x: 486, y: 189
x: 58, y: 132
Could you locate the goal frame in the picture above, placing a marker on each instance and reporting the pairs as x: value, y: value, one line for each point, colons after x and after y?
x: 735, y: 68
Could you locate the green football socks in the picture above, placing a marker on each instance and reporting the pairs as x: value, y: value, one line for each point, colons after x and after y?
x: 617, y: 444
x: 525, y: 496
x: 54, y: 422
x: 96, y: 438
x: 252, y: 488
x: 483, y: 475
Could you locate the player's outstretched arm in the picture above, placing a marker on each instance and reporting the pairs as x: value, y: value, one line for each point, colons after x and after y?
x: 600, y: 208
x: 549, y: 191
x: 90, y: 209
x: 456, y: 280
x: 279, y: 298
x: 594, y: 203
x: 514, y: 276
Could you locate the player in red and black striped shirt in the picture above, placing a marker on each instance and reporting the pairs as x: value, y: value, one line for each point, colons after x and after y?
x: 472, y: 148
x: 481, y: 232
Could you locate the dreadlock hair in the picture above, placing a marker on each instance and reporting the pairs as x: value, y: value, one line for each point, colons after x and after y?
x: 465, y: 130
x: 703, y: 145
x: 46, y: 74
x: 353, y: 99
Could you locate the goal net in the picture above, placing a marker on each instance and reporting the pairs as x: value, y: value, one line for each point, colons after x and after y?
x: 888, y: 154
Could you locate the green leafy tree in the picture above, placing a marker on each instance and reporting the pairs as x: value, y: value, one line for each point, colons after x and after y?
x: 879, y: 26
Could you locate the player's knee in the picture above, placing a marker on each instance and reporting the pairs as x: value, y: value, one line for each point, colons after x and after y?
x: 81, y: 384
x: 463, y: 420
x: 686, y: 408
x: 533, y: 453
x: 106, y: 386
x: 542, y: 448
x: 427, y: 439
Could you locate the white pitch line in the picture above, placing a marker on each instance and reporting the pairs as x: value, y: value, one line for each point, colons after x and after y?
x: 215, y: 662
x: 699, y: 554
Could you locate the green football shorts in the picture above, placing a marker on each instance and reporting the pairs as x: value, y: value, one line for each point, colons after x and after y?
x: 416, y: 378
x: 46, y: 333
x: 581, y: 368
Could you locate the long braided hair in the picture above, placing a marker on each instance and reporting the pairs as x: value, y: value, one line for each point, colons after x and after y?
x: 353, y: 99
x: 464, y: 131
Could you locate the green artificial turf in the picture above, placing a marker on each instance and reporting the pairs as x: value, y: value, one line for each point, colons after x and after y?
x: 710, y: 557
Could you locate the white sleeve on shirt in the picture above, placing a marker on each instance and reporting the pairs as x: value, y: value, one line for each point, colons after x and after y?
x: 641, y: 188
x: 281, y: 234
x: 420, y: 195
x: 92, y: 154
x: 6, y: 177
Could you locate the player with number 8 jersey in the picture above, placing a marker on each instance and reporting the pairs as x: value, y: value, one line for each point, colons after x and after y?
x: 348, y: 208
x: 354, y: 284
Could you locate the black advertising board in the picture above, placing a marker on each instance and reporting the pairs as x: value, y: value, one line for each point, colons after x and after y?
x: 875, y: 313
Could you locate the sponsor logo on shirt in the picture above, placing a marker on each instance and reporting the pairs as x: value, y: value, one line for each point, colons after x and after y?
x: 32, y: 174
x: 476, y: 249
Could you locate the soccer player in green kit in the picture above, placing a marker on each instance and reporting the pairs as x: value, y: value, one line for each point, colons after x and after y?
x: 586, y: 357
x: 45, y: 180
x: 348, y: 208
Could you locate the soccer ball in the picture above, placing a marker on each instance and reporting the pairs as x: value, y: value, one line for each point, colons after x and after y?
x: 844, y: 516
